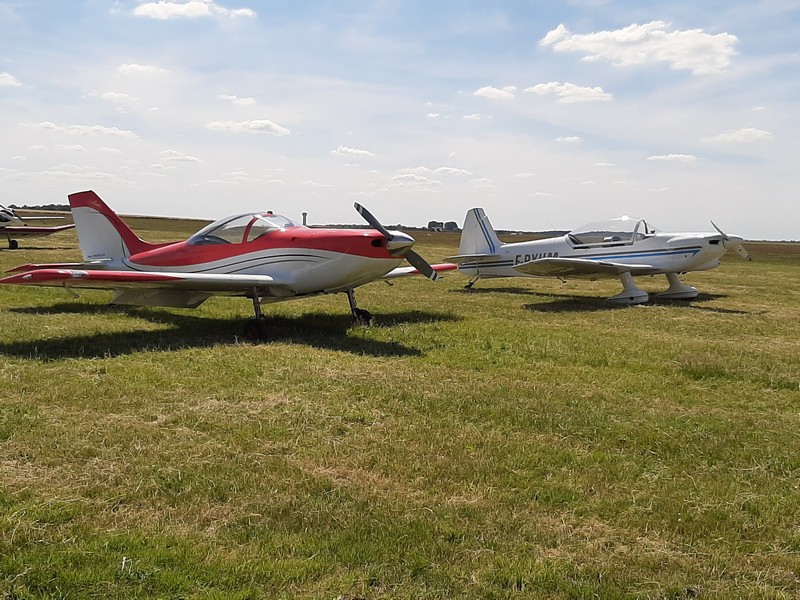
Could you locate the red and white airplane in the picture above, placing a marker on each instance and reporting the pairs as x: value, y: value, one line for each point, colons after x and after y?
x: 260, y: 255
x: 8, y: 216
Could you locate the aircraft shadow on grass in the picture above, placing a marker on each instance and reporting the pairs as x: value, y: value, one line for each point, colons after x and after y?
x: 570, y: 303
x: 27, y: 248
x: 317, y: 330
x: 516, y: 290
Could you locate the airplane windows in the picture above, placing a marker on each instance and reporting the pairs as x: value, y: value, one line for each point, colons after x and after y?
x: 241, y: 228
x: 622, y: 230
x: 258, y: 227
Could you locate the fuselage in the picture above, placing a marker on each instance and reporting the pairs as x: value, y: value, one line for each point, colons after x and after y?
x: 651, y: 253
x: 301, y: 259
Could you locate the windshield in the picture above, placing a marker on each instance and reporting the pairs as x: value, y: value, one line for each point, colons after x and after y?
x: 622, y: 230
x: 241, y: 228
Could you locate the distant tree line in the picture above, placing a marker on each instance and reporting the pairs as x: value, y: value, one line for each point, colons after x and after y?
x: 53, y: 207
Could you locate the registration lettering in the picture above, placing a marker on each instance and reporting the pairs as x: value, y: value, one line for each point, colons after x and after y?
x: 524, y: 258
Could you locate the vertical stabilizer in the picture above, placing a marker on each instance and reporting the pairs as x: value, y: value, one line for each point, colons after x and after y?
x: 478, y: 235
x: 102, y: 235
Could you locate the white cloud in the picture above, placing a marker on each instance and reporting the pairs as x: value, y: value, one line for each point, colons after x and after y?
x: 451, y: 171
x: 238, y: 101
x: 344, y: 150
x: 473, y: 117
x: 117, y: 97
x: 437, y: 170
x: 193, y: 9
x: 414, y: 181
x: 74, y: 172
x: 175, y: 156
x: 569, y: 139
x: 673, y: 158
x: 496, y: 93
x: 7, y: 79
x: 691, y: 49
x: 482, y: 182
x: 134, y: 69
x: 747, y: 134
x: 570, y: 92
x: 432, y: 115
x: 256, y: 126
x: 87, y: 130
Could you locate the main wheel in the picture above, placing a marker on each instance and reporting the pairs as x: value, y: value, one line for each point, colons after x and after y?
x: 13, y: 244
x: 362, y: 317
x: 255, y: 330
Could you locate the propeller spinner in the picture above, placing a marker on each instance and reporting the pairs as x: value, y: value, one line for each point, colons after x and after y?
x: 399, y: 243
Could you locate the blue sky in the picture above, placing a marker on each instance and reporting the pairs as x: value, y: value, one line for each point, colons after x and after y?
x: 546, y: 114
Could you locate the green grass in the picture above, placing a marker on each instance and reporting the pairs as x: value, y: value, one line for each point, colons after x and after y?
x: 520, y: 440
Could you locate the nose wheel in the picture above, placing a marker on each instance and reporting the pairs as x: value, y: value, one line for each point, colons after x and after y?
x: 360, y: 316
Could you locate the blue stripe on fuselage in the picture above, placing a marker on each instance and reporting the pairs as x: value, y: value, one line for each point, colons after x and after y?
x: 625, y: 255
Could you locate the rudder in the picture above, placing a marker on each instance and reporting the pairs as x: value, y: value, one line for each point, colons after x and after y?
x: 102, y: 235
x: 478, y: 235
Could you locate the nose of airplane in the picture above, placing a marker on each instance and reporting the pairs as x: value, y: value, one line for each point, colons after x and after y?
x: 399, y: 242
x: 733, y: 242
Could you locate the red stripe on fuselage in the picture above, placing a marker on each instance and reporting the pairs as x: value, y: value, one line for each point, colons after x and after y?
x: 357, y: 242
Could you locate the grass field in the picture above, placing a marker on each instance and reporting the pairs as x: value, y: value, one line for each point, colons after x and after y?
x: 521, y: 440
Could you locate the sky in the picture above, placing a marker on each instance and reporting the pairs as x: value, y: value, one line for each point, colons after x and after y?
x: 547, y: 114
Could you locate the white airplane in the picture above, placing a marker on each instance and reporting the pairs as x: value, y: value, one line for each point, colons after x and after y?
x: 12, y: 232
x: 259, y: 255
x: 624, y: 247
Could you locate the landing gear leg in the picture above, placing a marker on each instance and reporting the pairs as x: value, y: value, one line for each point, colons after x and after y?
x: 360, y: 316
x: 677, y: 289
x: 630, y: 294
x: 256, y: 328
x: 472, y: 282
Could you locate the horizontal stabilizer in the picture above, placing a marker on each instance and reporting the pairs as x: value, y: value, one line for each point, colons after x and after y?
x: 476, y: 258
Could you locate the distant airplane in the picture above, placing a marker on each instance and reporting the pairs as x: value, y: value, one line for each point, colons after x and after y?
x: 624, y: 247
x: 8, y: 216
x: 260, y: 255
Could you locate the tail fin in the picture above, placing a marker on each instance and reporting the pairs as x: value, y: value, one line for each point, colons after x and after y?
x: 102, y: 235
x: 478, y: 236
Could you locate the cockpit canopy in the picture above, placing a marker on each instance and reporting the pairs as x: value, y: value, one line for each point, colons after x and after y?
x: 241, y: 228
x: 622, y: 230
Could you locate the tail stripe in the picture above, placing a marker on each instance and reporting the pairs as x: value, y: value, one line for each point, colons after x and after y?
x: 485, y: 231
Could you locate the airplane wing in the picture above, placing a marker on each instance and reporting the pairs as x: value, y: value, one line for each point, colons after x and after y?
x: 116, y: 280
x: 150, y: 288
x: 404, y: 271
x: 579, y: 267
x: 18, y: 232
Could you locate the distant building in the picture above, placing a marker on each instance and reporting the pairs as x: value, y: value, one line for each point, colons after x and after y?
x: 435, y: 225
x: 451, y: 226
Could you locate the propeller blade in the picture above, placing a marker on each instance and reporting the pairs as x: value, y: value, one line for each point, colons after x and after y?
x: 369, y: 218
x: 734, y: 243
x: 722, y: 233
x: 421, y: 265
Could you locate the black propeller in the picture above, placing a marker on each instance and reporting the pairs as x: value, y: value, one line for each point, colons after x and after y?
x: 403, y: 245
